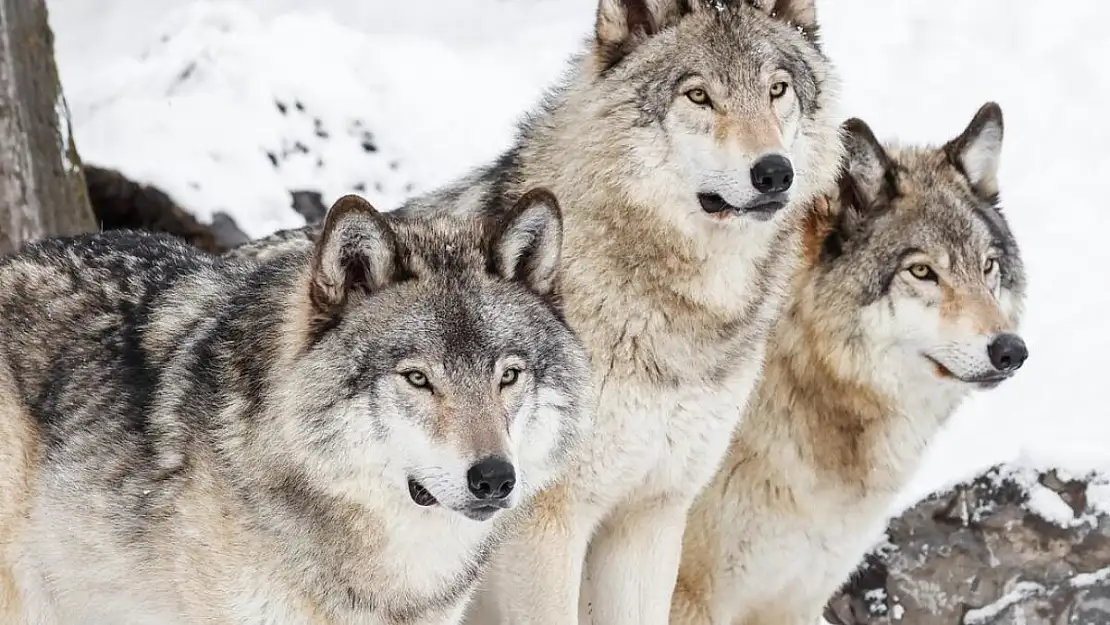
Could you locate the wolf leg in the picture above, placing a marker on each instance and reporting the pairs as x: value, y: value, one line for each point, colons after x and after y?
x: 453, y: 616
x: 10, y: 610
x: 633, y: 563
x: 689, y: 610
x: 536, y: 575
x: 19, y: 457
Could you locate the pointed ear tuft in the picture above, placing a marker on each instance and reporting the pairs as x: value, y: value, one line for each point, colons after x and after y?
x: 356, y: 251
x: 529, y: 246
x: 866, y: 175
x: 624, y: 24
x: 798, y: 13
x: 978, y: 150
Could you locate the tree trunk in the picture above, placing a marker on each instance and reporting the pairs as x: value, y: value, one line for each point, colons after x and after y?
x: 42, y: 188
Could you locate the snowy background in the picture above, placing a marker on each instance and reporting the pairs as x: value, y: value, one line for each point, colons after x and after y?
x: 229, y: 105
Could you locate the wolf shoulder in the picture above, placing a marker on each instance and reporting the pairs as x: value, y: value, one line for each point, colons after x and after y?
x: 96, y: 315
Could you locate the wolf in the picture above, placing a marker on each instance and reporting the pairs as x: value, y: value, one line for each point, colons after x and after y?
x: 341, y: 434
x: 683, y: 144
x: 909, y: 298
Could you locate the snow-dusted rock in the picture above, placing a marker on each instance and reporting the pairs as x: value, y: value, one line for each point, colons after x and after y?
x: 1014, y: 546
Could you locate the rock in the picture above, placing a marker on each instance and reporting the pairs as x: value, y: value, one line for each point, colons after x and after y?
x: 227, y: 233
x: 1014, y: 546
x: 310, y: 205
x: 122, y: 203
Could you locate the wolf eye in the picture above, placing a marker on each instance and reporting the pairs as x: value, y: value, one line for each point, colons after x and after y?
x: 990, y: 266
x: 416, y: 378
x: 509, y: 376
x: 921, y: 271
x: 778, y: 89
x: 698, y: 96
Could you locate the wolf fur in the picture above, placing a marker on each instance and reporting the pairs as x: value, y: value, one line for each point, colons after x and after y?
x: 190, y: 440
x: 677, y: 252
x: 911, y: 286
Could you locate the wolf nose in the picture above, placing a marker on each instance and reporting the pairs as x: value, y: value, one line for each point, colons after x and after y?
x: 1007, y: 352
x: 772, y: 174
x: 491, y: 478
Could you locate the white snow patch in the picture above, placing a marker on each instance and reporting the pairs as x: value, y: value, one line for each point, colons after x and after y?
x: 1098, y: 496
x: 1048, y: 505
x: 65, y: 132
x: 1087, y: 580
x: 1020, y: 592
x: 876, y: 601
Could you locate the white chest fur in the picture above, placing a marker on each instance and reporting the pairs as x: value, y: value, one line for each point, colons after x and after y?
x: 661, y: 441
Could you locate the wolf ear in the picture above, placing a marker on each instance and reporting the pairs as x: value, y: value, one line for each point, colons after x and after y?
x: 866, y: 175
x: 799, y: 13
x: 624, y: 24
x: 356, y: 251
x: 977, y: 151
x: 529, y: 246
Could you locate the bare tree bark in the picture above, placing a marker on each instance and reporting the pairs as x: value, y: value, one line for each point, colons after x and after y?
x: 42, y: 188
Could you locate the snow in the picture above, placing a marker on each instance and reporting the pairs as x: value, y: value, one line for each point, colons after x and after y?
x: 65, y: 132
x: 185, y: 94
x: 1087, y: 580
x: 987, y: 614
x: 1046, y: 503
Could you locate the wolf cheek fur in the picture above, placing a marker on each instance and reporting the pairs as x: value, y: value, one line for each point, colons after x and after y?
x: 909, y: 298
x: 321, y: 437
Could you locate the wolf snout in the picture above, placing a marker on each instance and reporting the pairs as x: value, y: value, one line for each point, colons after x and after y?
x: 1007, y: 352
x: 772, y: 173
x: 492, y: 478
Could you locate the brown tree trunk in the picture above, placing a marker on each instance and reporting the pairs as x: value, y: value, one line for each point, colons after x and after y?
x: 42, y: 188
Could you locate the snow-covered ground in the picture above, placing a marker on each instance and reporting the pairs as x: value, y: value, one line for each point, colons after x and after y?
x: 230, y: 104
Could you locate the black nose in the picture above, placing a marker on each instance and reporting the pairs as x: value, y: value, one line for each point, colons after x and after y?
x: 492, y: 478
x: 1007, y: 352
x: 772, y: 174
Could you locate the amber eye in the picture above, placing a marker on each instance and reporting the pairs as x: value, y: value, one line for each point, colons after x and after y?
x: 416, y: 378
x: 990, y: 266
x: 778, y: 89
x: 921, y: 271
x: 509, y: 376
x: 698, y: 96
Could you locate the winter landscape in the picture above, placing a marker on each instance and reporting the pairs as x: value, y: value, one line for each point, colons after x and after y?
x: 230, y: 106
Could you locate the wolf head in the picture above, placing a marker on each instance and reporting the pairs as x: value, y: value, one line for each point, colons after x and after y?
x: 920, y: 251
x: 433, y: 355
x: 729, y: 102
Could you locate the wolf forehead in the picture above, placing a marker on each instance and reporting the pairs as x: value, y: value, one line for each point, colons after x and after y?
x: 454, y: 321
x: 734, y: 48
x: 931, y: 190
x: 446, y: 300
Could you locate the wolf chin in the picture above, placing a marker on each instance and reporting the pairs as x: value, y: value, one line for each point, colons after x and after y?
x: 342, y: 433
x: 683, y: 144
x: 908, y: 300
